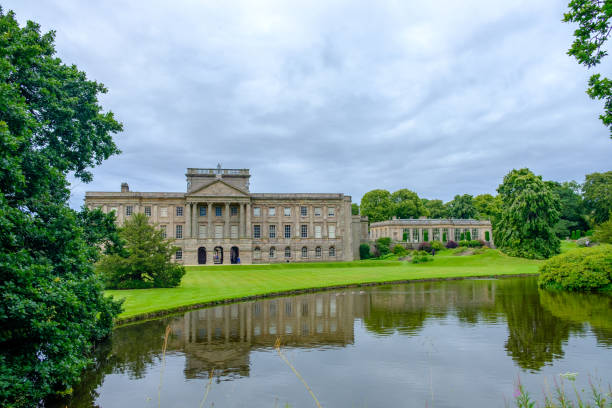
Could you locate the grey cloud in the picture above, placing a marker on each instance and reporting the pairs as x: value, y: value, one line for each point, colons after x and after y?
x: 442, y: 98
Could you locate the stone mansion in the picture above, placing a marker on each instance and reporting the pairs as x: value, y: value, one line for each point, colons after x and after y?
x: 219, y: 221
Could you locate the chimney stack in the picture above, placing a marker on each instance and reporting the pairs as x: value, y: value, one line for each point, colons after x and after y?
x: 125, y: 188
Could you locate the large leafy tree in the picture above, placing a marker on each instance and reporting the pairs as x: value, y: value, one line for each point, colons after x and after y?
x: 462, y: 207
x: 407, y: 204
x: 52, y: 307
x: 593, y: 18
x: 435, y: 208
x: 488, y: 207
x: 145, y: 260
x: 572, y: 214
x: 529, y: 212
x: 377, y: 205
x: 597, y: 193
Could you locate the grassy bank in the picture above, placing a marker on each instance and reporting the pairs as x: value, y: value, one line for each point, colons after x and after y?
x: 204, y: 284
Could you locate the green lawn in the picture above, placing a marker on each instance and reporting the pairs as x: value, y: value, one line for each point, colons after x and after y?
x: 210, y: 283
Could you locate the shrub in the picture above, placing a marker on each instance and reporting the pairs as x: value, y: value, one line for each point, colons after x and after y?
x: 464, y: 243
x: 424, y: 246
x: 589, y: 233
x: 437, y: 245
x: 462, y: 237
x: 421, y: 258
x: 405, y: 236
x: 603, y: 232
x: 451, y: 244
x: 399, y: 250
x: 487, y: 236
x: 144, y: 262
x: 426, y: 235
x: 582, y: 269
x: 382, y: 245
x: 468, y: 236
x: 364, y: 251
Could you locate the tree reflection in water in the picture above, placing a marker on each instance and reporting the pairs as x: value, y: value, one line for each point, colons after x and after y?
x: 221, y: 339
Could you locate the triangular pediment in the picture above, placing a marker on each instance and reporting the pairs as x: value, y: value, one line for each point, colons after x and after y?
x: 218, y: 188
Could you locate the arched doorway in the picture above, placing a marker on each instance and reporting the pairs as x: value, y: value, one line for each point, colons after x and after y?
x: 234, y: 255
x: 218, y: 255
x: 201, y: 255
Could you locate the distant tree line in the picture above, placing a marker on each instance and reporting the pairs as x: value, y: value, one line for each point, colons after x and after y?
x: 581, y: 206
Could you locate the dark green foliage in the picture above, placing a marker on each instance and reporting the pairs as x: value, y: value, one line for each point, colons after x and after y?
x: 603, y: 232
x: 421, y: 257
x: 451, y: 244
x: 405, y: 236
x: 146, y: 259
x: 426, y: 235
x: 488, y: 208
x: 597, y: 193
x: 52, y: 307
x: 474, y: 243
x: 583, y: 269
x: 364, y: 251
x: 468, y: 236
x: 437, y: 245
x: 399, y: 250
x: 435, y: 208
x: 487, y: 236
x: 377, y: 205
x: 462, y: 206
x: 444, y: 237
x: 354, y: 209
x: 529, y: 212
x: 407, y: 204
x: 462, y: 237
x: 572, y: 211
x: 593, y: 18
x: 382, y: 246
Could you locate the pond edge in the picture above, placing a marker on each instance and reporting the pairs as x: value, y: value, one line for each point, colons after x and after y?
x: 200, y: 305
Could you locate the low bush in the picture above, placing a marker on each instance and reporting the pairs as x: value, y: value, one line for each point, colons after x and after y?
x: 399, y: 250
x: 603, y: 232
x: 471, y: 243
x: 582, y: 269
x: 437, y: 245
x: 451, y: 244
x: 468, y: 236
x: 364, y: 251
x: 421, y: 257
x: 382, y: 246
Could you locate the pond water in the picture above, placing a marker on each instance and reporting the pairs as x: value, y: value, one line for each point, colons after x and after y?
x: 428, y: 344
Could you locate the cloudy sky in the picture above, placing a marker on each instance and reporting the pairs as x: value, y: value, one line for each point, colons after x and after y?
x: 440, y: 97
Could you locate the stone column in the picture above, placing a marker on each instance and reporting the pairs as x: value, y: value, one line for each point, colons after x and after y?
x: 209, y: 217
x: 195, y: 230
x: 241, y: 232
x: 226, y: 227
x: 248, y: 220
x: 188, y: 220
x: 296, y: 224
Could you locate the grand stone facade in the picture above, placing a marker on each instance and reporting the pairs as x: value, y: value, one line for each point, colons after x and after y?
x: 219, y: 221
x: 425, y: 229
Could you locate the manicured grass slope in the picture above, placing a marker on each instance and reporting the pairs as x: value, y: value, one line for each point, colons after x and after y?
x: 210, y: 283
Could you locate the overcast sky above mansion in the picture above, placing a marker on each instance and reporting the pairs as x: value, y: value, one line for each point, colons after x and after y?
x: 441, y: 97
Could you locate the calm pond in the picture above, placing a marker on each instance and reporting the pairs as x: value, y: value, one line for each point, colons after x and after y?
x: 429, y: 344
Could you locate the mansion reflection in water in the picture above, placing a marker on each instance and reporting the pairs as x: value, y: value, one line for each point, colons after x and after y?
x: 221, y: 338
